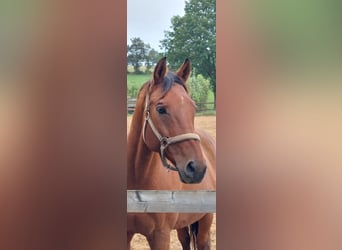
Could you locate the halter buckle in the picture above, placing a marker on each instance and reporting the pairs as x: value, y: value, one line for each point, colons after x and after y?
x: 164, y: 142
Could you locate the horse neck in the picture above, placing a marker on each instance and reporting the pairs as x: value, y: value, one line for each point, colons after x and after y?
x: 138, y: 154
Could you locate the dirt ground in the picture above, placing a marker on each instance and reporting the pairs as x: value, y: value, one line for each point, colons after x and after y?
x: 139, y: 242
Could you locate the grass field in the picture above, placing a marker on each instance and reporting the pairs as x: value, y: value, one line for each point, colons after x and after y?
x: 137, y: 79
x: 134, y: 82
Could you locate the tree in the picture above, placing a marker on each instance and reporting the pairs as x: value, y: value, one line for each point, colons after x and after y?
x: 199, y: 89
x: 151, y: 58
x: 136, y: 53
x: 193, y: 36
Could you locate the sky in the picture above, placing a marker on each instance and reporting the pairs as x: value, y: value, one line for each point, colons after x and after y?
x: 148, y: 19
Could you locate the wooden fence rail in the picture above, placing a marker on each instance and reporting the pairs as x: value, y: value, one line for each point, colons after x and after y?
x: 165, y: 201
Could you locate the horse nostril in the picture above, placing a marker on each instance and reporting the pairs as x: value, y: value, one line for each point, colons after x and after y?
x: 190, y: 168
x: 193, y: 172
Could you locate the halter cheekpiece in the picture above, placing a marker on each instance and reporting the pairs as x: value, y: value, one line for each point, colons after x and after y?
x: 164, y: 141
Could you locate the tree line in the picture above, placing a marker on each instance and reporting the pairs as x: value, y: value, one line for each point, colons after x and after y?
x: 140, y: 53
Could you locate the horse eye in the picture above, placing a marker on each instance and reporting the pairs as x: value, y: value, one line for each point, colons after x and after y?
x: 161, y: 110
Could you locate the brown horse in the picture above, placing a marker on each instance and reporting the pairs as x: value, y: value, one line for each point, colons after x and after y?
x: 162, y: 134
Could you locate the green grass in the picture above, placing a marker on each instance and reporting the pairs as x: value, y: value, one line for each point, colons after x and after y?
x: 135, y: 81
x: 206, y: 113
x: 139, y: 79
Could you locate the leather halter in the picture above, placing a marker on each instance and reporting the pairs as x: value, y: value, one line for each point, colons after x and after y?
x: 164, y: 141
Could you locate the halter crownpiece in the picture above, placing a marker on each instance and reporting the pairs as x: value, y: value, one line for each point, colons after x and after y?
x: 164, y: 141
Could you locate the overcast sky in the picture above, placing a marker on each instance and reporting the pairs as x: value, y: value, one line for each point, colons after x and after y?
x: 148, y: 19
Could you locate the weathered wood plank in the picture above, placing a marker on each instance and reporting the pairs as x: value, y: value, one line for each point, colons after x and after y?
x: 164, y: 201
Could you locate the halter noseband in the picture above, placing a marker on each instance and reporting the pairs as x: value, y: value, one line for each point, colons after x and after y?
x: 164, y: 141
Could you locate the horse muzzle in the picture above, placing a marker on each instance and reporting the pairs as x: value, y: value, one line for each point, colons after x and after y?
x: 192, y: 173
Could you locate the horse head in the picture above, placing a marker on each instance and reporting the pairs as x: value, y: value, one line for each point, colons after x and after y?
x: 169, y: 122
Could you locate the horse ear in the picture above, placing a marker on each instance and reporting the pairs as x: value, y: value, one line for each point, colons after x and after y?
x: 184, y: 70
x: 160, y: 71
